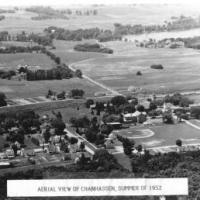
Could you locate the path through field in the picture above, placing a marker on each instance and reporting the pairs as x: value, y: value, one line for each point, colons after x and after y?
x: 113, y: 92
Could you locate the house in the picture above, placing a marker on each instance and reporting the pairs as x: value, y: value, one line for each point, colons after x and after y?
x: 55, y: 139
x: 39, y: 150
x: 135, y: 117
x: 2, y: 155
x: 73, y: 148
x: 129, y: 118
x: 10, y: 153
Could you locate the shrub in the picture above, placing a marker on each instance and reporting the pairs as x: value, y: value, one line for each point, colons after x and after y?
x: 157, y: 66
x: 139, y: 73
x: 118, y: 100
x: 76, y: 93
x: 89, y: 102
x: 179, y: 142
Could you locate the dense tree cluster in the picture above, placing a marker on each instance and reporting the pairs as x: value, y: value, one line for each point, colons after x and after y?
x: 21, y: 49
x: 91, y: 129
x: 178, y: 100
x: 76, y: 93
x: 127, y: 144
x: 44, y: 40
x: 80, y: 34
x: 59, y: 73
x: 22, y: 119
x: 86, y: 47
x: 170, y: 165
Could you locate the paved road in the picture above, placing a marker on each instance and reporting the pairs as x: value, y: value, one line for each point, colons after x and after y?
x: 89, y: 147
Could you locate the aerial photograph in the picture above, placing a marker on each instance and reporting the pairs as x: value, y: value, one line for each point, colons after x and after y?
x: 99, y: 90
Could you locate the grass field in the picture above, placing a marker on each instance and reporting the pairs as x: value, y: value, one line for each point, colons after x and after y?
x: 164, y: 135
x: 118, y: 71
x: 11, y: 61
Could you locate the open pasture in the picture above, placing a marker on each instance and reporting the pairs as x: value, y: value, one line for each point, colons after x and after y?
x: 118, y: 71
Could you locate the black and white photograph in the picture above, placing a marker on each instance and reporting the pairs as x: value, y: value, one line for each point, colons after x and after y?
x: 99, y: 100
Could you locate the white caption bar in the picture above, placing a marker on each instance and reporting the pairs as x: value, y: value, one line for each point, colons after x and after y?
x: 97, y: 187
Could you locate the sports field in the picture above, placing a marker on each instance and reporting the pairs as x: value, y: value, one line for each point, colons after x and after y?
x: 162, y: 135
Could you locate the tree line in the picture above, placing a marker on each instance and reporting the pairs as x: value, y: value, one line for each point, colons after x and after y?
x: 179, y: 23
x: 44, y: 40
x: 80, y: 34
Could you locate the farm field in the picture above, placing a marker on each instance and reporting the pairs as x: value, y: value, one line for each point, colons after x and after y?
x: 17, y: 43
x: 29, y: 89
x: 11, y: 61
x: 64, y: 49
x: 107, y: 16
x: 118, y: 71
x: 161, y: 135
x: 21, y: 89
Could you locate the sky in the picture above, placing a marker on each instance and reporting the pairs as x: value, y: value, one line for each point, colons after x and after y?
x: 85, y: 2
